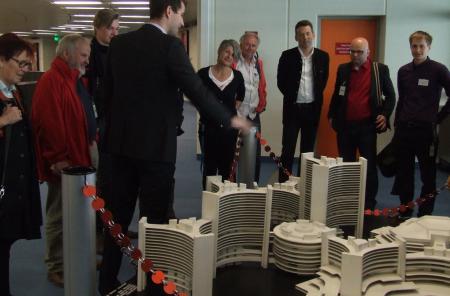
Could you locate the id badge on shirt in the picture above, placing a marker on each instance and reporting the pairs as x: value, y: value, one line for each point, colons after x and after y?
x: 342, y: 90
x: 423, y: 82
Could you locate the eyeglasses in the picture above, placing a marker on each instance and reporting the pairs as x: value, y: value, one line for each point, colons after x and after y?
x: 22, y: 64
x: 354, y: 51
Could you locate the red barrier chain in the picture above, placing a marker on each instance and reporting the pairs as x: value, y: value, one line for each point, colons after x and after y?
x: 124, y: 242
x: 410, y: 206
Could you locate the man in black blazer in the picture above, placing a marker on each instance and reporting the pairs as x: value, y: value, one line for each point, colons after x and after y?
x: 145, y: 71
x: 362, y: 102
x: 302, y: 77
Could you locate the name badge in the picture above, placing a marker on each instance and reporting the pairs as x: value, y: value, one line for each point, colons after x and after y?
x: 423, y: 82
x: 342, y: 91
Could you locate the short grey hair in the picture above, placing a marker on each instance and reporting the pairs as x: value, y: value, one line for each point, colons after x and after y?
x: 249, y: 34
x: 69, y: 44
x: 229, y: 43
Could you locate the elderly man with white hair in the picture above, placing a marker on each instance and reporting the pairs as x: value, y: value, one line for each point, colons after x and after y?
x: 64, y: 129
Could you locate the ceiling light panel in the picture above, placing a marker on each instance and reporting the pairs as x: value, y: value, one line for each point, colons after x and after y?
x: 83, y: 8
x: 129, y: 2
x: 77, y: 2
x: 133, y: 8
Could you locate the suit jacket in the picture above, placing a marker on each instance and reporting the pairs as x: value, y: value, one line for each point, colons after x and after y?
x: 145, y: 71
x: 338, y: 104
x: 289, y: 75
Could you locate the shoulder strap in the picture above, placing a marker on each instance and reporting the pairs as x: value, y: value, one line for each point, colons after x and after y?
x: 7, y: 130
x: 377, y: 84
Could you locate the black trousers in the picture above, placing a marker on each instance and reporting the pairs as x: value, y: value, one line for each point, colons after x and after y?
x: 415, y: 140
x: 5, y: 250
x: 361, y: 136
x: 104, y: 183
x: 219, y: 148
x: 300, y: 119
x: 153, y: 182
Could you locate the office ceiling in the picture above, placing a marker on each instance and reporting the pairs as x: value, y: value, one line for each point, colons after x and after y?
x: 28, y: 15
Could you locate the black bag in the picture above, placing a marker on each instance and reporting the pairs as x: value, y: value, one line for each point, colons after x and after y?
x: 387, y: 160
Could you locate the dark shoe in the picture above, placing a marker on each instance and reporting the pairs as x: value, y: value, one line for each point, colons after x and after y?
x: 98, y: 264
x: 56, y: 278
x: 132, y: 234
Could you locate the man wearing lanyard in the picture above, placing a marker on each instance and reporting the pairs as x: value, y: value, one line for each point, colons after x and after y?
x: 362, y: 103
x: 420, y: 84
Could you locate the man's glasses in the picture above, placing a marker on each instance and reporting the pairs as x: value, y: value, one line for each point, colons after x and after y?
x: 354, y: 51
x: 22, y: 64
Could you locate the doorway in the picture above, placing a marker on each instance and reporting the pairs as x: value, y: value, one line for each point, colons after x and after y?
x: 335, y: 37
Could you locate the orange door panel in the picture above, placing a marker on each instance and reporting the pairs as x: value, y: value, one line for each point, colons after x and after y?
x: 332, y: 33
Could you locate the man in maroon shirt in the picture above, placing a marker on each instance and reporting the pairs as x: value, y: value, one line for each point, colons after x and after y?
x: 420, y: 84
x: 362, y: 103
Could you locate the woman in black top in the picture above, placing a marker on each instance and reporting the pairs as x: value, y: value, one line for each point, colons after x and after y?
x: 228, y: 86
x: 20, y: 205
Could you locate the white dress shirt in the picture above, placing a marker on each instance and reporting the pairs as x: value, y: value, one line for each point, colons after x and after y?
x: 306, y: 87
x: 251, y: 81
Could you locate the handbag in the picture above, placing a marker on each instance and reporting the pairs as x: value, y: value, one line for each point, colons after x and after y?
x: 387, y: 160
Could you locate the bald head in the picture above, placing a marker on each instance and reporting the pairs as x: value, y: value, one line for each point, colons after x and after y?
x: 359, y: 51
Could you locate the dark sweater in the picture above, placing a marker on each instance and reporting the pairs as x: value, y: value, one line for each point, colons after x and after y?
x: 420, y: 87
x: 234, y: 91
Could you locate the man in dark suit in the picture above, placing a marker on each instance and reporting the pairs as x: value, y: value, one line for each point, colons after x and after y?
x: 362, y: 102
x: 144, y: 72
x: 302, y: 77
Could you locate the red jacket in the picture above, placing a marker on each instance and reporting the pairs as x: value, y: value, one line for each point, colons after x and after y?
x: 58, y: 121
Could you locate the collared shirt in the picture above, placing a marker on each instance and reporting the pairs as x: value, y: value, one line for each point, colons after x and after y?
x: 306, y: 87
x: 159, y: 27
x: 420, y: 87
x: 358, y: 107
x: 7, y: 90
x: 251, y: 81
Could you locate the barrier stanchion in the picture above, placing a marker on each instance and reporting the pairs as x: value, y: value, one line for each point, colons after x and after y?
x: 78, y: 233
x: 247, y: 158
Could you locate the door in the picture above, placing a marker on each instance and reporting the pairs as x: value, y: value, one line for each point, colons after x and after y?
x: 335, y: 37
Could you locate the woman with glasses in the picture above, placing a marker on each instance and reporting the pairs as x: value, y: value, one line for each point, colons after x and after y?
x: 20, y: 206
x: 228, y: 85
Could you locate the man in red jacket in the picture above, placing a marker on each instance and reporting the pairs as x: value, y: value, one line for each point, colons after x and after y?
x: 64, y: 129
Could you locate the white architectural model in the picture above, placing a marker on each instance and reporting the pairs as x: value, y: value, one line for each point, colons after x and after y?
x: 184, y: 251
x: 417, y: 232
x: 383, y: 266
x: 240, y: 221
x: 357, y: 267
x: 411, y: 259
x: 306, y: 171
x: 297, y: 246
x: 333, y: 191
x: 430, y: 269
x: 281, y: 203
x: 285, y: 202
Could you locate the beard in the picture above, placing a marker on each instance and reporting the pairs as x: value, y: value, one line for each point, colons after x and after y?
x: 82, y: 70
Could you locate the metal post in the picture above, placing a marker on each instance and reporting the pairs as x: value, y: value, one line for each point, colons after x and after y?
x: 78, y: 233
x: 247, y: 158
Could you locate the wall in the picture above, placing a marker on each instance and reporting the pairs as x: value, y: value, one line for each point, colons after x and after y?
x: 275, y: 21
x: 193, y: 46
